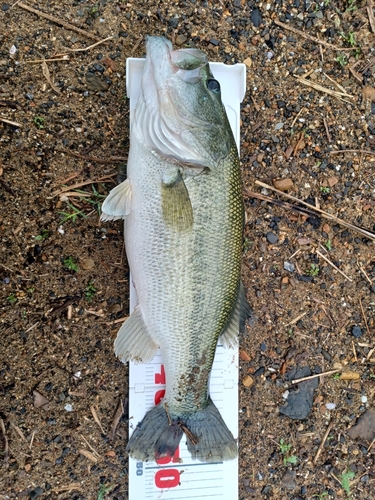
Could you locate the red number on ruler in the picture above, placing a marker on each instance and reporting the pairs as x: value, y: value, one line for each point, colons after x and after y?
x: 158, y: 396
x: 166, y: 460
x: 167, y: 478
x: 160, y: 377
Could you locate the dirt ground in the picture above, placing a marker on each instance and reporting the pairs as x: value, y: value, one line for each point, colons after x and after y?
x: 64, y: 278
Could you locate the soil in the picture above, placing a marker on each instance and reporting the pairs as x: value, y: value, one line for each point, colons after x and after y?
x: 64, y: 277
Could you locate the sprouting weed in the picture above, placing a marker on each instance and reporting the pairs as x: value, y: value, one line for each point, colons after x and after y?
x: 336, y: 376
x: 42, y: 236
x: 12, y: 299
x: 345, y: 479
x: 341, y: 59
x: 70, y: 264
x: 284, y: 450
x: 90, y: 291
x: 328, y: 245
x: 313, y: 270
x: 39, y: 122
x: 325, y: 189
x: 104, y: 489
x: 71, y: 216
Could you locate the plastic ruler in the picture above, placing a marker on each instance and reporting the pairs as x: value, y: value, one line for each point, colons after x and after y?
x: 180, y: 477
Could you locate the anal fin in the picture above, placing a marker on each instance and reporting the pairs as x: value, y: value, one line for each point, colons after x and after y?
x: 236, y: 324
x: 133, y: 341
x: 117, y: 204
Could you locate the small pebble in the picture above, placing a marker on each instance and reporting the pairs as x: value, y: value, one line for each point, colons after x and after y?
x: 68, y: 407
x: 248, y: 381
x: 356, y: 331
x: 330, y: 406
x: 272, y: 238
x: 288, y: 266
x: 364, y: 399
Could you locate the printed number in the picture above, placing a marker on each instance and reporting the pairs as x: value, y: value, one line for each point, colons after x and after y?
x: 167, y: 478
x: 159, y: 395
x: 160, y: 377
x: 166, y: 460
x: 139, y: 467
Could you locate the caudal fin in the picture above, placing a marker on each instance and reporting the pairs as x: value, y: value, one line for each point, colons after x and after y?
x: 215, y: 441
x: 208, y: 437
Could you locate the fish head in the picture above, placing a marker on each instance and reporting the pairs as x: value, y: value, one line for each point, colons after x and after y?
x: 180, y: 114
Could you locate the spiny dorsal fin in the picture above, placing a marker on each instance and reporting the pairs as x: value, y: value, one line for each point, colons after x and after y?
x: 117, y: 204
x: 236, y: 323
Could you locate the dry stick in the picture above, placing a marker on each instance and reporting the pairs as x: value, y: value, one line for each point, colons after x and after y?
x: 296, y: 319
x: 322, y: 443
x: 324, y: 214
x: 90, y: 46
x: 327, y: 130
x: 80, y: 184
x: 59, y: 22
x: 298, y: 380
x: 296, y: 118
x: 371, y: 445
x: 354, y: 352
x: 337, y: 84
x: 137, y: 44
x: 362, y: 151
x: 370, y: 13
x: 6, y: 445
x: 64, y: 58
x: 110, y: 160
x: 364, y: 272
x: 282, y: 204
x: 5, y: 120
x: 333, y: 265
x: 89, y: 445
x: 116, y: 419
x: 309, y: 37
x: 333, y: 93
x: 363, y: 314
x: 96, y: 418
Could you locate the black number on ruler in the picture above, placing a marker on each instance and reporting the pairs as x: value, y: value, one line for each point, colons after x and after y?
x: 139, y: 467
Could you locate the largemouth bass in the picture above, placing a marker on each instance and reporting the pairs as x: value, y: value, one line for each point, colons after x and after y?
x: 184, y: 215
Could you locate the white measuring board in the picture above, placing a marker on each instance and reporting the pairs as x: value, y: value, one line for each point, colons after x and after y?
x: 180, y: 477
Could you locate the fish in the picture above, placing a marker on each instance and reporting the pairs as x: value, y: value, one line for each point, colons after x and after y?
x: 184, y: 215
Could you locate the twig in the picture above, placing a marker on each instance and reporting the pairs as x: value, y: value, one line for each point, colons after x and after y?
x: 334, y: 93
x: 15, y: 124
x: 116, y: 419
x: 370, y: 13
x: 6, y: 445
x: 362, y: 151
x: 296, y: 319
x: 90, y: 46
x: 64, y: 58
x: 108, y: 161
x: 296, y: 117
x: 327, y: 130
x: 319, y: 451
x: 115, y: 321
x: 354, y: 352
x: 69, y: 488
x: 18, y: 430
x: 298, y: 380
x: 283, y: 204
x: 32, y: 327
x: 32, y: 440
x: 363, y: 314
x: 137, y: 44
x: 364, y: 272
x: 309, y: 37
x: 371, y: 445
x: 333, y: 265
x: 59, y: 22
x: 337, y: 84
x: 96, y: 418
x: 89, y: 445
x: 324, y: 214
x: 80, y: 184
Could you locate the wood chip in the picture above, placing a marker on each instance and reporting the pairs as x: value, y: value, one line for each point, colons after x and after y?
x: 248, y: 381
x: 96, y: 418
x: 88, y: 455
x: 350, y: 376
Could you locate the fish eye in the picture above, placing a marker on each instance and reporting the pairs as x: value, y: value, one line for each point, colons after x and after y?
x: 213, y: 85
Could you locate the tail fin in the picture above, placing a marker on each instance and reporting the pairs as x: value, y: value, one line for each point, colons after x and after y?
x: 208, y: 437
x: 155, y: 436
x: 215, y: 441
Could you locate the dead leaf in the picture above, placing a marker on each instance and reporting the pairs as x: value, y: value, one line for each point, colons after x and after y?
x: 116, y: 419
x: 47, y: 76
x: 40, y: 401
x: 110, y: 63
x: 369, y: 93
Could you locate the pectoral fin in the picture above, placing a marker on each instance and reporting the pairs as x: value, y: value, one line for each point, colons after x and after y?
x: 236, y: 324
x: 176, y: 204
x: 117, y: 204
